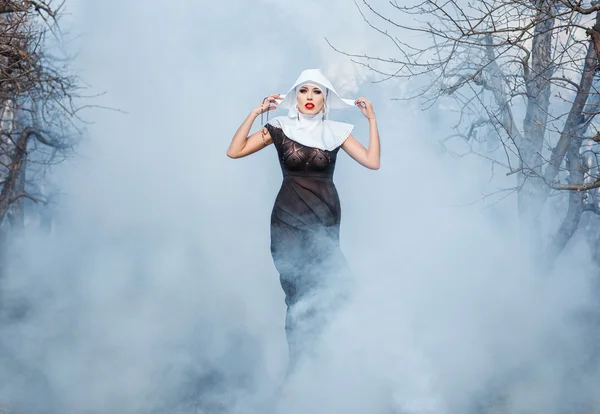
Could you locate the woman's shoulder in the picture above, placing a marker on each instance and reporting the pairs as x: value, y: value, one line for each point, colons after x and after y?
x: 275, y: 130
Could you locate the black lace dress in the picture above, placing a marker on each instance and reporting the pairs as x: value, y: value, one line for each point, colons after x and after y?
x: 305, y: 229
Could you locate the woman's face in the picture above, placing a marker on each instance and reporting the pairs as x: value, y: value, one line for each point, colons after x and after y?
x: 311, y: 99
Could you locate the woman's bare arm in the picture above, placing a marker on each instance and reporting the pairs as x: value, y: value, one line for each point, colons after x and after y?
x: 243, y: 145
x: 367, y: 157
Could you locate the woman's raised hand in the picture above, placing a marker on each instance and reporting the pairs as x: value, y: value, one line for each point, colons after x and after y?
x: 268, y: 104
x: 366, y: 107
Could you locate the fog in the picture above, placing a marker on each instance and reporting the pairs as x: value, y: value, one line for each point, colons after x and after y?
x: 156, y: 292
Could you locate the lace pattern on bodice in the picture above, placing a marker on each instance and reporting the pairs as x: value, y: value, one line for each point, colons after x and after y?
x: 297, y: 157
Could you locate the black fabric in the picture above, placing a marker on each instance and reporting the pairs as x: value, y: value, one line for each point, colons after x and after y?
x: 305, y: 229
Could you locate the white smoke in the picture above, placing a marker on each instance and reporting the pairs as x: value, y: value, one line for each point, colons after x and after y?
x: 156, y: 291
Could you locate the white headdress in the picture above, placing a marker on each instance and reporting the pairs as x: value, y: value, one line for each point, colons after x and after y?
x: 314, y: 130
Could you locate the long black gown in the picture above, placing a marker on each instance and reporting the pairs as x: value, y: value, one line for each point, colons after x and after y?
x: 305, y: 229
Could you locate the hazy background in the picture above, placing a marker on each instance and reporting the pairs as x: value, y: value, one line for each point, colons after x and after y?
x: 156, y: 290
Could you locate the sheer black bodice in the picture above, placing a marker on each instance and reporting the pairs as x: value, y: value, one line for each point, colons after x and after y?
x: 298, y: 159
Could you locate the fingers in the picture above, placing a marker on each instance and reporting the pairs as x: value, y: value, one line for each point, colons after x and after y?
x: 362, y: 102
x: 365, y: 106
x: 270, y: 102
x: 266, y: 106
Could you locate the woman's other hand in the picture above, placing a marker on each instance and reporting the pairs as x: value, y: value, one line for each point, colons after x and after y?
x: 366, y: 107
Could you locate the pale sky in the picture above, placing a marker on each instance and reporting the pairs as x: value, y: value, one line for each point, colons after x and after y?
x: 160, y: 272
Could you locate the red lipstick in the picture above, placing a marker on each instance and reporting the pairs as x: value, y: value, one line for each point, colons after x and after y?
x: 309, y: 106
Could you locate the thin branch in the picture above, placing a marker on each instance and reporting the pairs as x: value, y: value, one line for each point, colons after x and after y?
x: 575, y: 187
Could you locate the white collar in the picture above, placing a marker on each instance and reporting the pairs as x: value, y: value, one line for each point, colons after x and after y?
x: 312, y: 130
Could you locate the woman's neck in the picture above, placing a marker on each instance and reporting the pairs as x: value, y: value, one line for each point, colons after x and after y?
x: 309, y: 117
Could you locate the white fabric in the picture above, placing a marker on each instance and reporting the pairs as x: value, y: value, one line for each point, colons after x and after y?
x: 314, y: 131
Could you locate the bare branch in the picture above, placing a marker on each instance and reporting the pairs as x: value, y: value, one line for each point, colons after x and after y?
x: 576, y: 187
x: 574, y: 118
x: 38, y: 116
x: 24, y: 194
x: 524, y: 69
x: 579, y: 9
x: 14, y: 171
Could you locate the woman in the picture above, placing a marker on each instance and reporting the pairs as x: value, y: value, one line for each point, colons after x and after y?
x: 305, y: 221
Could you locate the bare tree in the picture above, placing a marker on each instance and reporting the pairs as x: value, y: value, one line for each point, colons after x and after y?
x: 37, y: 124
x: 36, y: 110
x: 522, y: 79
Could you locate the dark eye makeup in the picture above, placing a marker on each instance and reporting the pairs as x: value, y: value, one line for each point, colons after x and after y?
x: 304, y: 90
